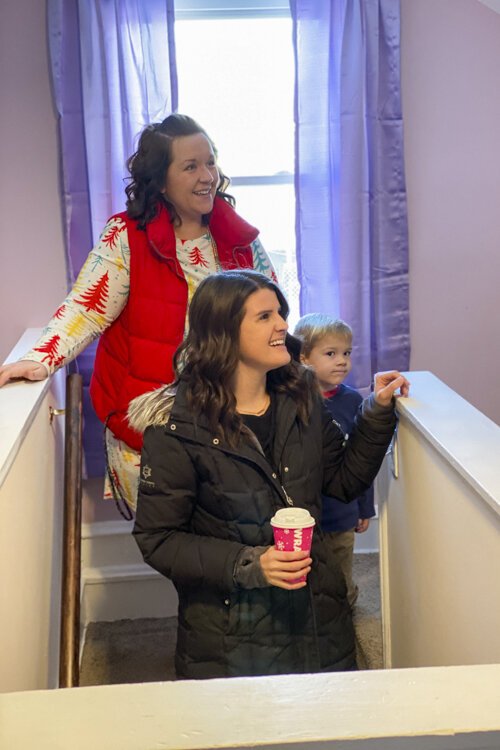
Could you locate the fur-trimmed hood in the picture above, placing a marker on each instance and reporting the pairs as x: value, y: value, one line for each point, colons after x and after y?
x: 151, y: 409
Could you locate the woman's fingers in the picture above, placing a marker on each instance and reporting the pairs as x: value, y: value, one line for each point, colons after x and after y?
x: 275, y: 560
x: 23, y: 369
x: 280, y: 568
x: 289, y: 586
x: 288, y: 580
x: 291, y: 572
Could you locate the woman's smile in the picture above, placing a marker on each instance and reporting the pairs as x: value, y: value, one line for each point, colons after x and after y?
x: 192, y: 177
x: 263, y: 328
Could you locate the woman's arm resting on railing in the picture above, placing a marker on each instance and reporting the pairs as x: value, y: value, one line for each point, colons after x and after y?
x: 23, y: 369
x: 95, y: 301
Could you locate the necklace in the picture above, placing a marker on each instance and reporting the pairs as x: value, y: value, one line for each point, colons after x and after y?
x: 258, y: 412
x: 218, y: 266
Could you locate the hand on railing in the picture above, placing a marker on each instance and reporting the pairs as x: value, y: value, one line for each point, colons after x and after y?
x: 386, y: 384
x: 24, y: 369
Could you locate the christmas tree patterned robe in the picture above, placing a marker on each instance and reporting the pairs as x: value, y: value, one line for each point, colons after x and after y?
x: 97, y: 298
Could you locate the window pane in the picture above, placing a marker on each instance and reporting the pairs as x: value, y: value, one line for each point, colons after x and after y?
x: 271, y: 209
x: 236, y: 79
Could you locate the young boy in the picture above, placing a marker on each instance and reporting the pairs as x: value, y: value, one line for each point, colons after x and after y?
x: 326, y: 347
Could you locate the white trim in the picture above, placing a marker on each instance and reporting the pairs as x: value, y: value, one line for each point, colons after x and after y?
x: 385, y: 605
x: 124, y: 592
x: 83, y: 637
x: 105, y: 528
x: 122, y: 573
x: 368, y: 542
x: 214, y: 9
x: 116, y: 583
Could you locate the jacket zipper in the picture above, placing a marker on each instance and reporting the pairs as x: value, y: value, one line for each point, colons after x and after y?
x: 288, y: 498
x: 274, y: 474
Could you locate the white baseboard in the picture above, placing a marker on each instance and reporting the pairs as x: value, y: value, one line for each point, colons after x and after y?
x: 116, y: 583
x: 368, y: 541
x: 125, y: 592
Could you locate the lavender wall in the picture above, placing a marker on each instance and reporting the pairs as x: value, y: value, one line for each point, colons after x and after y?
x: 32, y: 276
x: 451, y: 110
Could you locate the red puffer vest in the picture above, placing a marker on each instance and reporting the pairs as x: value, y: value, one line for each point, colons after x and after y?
x: 135, y: 353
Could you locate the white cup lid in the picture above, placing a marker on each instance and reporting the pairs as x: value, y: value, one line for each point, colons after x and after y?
x: 289, y: 518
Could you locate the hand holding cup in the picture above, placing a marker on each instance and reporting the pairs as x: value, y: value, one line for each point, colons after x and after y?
x: 287, y: 564
x: 287, y: 570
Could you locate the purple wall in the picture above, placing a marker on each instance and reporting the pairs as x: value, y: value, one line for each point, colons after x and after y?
x: 451, y: 111
x: 451, y: 106
x: 32, y: 276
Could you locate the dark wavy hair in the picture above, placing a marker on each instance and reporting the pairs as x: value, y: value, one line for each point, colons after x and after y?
x: 149, y: 164
x: 208, y: 357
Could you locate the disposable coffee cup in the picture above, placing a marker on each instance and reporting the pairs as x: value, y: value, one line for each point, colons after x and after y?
x: 293, y: 529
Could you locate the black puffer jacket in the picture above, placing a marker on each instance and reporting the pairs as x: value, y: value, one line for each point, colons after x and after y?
x: 201, y: 504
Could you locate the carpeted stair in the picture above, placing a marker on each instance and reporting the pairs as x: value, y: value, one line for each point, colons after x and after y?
x: 143, y: 650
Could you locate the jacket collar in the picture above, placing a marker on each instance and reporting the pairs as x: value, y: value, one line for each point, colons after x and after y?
x: 229, y: 230
x: 286, y: 413
x: 181, y: 421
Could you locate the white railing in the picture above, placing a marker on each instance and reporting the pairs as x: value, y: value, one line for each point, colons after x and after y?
x: 31, y: 509
x: 457, y: 708
x: 439, y: 506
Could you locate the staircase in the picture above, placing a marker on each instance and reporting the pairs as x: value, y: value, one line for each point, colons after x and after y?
x: 142, y: 650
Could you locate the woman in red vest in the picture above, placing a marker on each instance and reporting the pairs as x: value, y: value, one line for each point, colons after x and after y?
x: 136, y: 284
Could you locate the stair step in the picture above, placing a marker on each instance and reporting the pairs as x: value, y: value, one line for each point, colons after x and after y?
x: 143, y: 650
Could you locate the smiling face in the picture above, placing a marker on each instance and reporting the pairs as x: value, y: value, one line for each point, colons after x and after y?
x: 192, y: 177
x: 262, y: 334
x: 331, y: 360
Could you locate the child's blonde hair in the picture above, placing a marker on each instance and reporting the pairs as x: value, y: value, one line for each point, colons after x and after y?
x: 313, y: 327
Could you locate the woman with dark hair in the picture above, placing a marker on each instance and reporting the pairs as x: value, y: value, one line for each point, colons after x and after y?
x: 241, y: 433
x: 135, y: 286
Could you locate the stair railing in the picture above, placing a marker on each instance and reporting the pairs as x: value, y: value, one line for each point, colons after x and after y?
x: 69, y: 643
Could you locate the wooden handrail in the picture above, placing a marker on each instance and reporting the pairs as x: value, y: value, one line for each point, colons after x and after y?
x: 69, y: 644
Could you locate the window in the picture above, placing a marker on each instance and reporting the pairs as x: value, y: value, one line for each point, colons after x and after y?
x: 235, y: 68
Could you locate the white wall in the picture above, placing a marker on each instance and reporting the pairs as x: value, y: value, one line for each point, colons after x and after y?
x: 31, y: 529
x: 33, y: 275
x: 440, y: 532
x: 451, y: 111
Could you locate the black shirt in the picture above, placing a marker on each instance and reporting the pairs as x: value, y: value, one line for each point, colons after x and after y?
x: 263, y: 427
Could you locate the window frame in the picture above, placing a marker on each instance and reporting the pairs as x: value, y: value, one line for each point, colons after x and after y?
x: 191, y: 10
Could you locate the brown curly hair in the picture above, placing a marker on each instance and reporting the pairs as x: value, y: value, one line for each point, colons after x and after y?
x: 149, y: 164
x: 209, y: 355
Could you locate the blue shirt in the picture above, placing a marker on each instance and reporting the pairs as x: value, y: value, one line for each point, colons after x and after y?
x: 339, y: 516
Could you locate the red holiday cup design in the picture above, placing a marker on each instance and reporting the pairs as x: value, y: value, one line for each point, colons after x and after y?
x: 293, y: 529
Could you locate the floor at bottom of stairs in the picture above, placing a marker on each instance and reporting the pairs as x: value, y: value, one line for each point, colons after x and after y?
x: 143, y: 650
